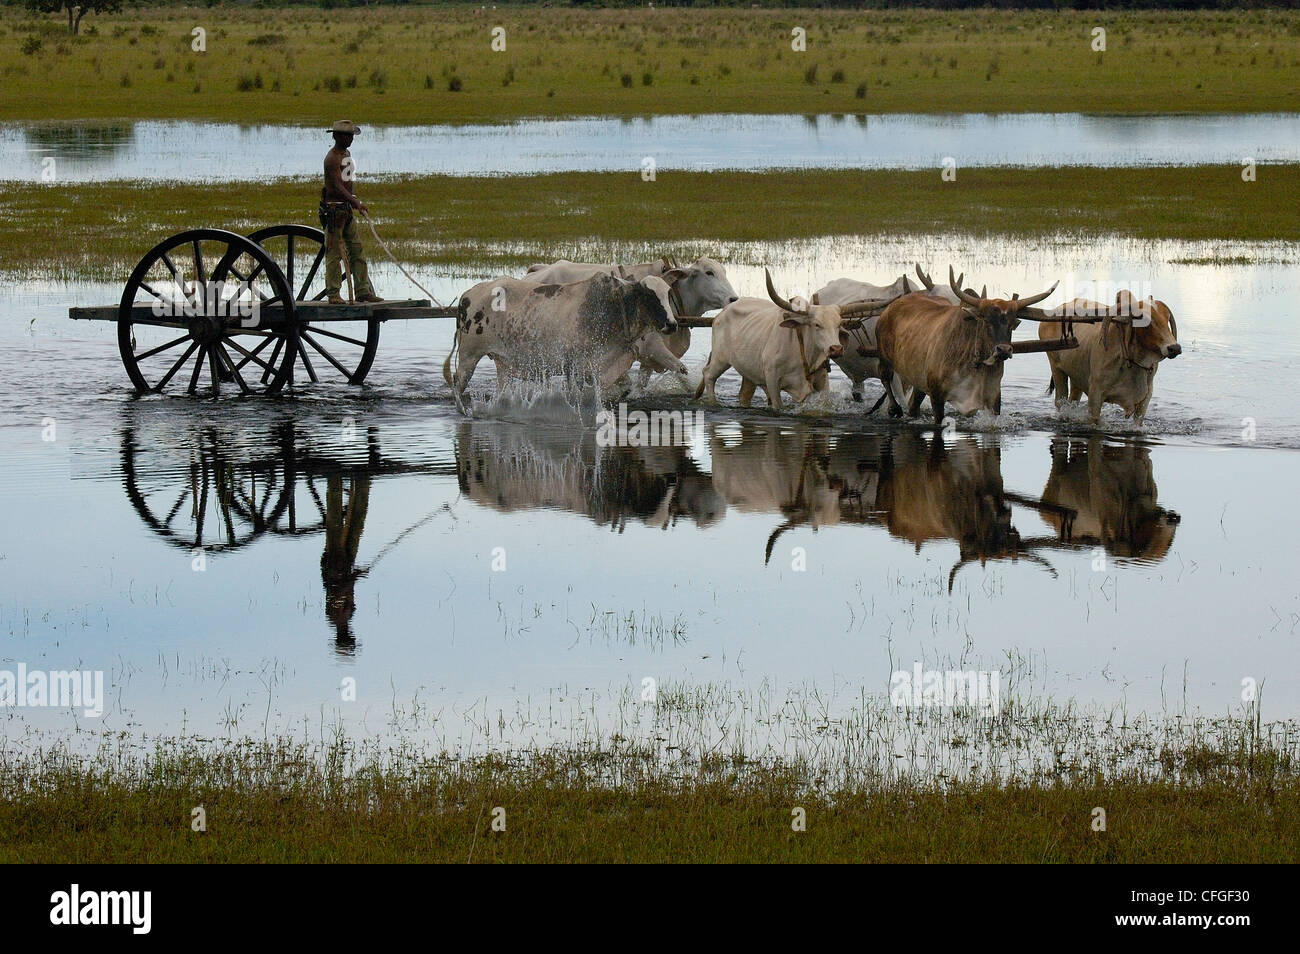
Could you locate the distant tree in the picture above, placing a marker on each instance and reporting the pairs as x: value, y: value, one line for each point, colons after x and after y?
x: 76, y: 9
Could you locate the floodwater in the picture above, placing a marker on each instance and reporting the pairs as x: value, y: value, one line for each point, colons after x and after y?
x: 189, y: 151
x: 506, y: 580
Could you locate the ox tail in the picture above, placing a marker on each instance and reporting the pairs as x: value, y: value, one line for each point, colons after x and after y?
x: 446, y: 365
x: 462, y: 310
x: 1051, y: 385
x: 876, y: 407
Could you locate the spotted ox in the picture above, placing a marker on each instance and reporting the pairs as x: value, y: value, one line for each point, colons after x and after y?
x: 950, y: 353
x: 512, y: 468
x: 779, y: 345
x: 699, y: 287
x: 1112, y: 366
x: 588, y: 330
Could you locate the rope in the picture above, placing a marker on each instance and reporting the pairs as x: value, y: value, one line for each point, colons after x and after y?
x: 399, y: 265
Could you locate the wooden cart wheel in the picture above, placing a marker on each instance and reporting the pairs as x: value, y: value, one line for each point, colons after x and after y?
x: 207, y: 307
x: 214, y: 501
x: 334, y: 349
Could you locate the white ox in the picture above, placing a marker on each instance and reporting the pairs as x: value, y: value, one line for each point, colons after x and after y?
x: 699, y: 287
x: 588, y: 330
x: 779, y: 345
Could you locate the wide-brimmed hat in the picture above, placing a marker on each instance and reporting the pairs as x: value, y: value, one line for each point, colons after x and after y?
x: 345, y: 126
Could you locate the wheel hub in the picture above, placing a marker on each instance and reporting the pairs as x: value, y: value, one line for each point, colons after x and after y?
x: 206, y: 329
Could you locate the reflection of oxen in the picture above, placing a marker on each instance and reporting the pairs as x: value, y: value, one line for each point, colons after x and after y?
x: 508, y: 467
x: 1100, y: 494
x: 935, y: 492
x: 811, y: 477
x: 919, y: 490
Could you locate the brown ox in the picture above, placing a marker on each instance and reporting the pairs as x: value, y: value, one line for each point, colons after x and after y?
x: 950, y: 353
x: 1112, y: 366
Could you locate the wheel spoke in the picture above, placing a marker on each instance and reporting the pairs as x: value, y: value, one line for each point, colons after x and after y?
x: 302, y: 293
x: 289, y: 262
x: 326, y: 355
x: 317, y: 330
x: 251, y: 355
x: 156, y: 294
x: 198, y: 368
x: 198, y: 264
x: 171, y: 514
x: 230, y: 366
x: 275, y: 353
x: 177, y: 366
x: 166, y: 260
x: 306, y: 363
x: 171, y: 344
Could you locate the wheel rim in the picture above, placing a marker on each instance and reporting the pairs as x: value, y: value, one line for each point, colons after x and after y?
x: 216, y: 501
x: 330, y: 351
x: 206, y: 308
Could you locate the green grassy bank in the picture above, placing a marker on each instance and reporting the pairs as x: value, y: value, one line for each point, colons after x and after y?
x: 429, y: 65
x: 274, y: 802
x: 101, y: 230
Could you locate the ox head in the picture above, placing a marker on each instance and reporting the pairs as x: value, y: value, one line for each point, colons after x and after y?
x: 651, y: 300
x: 1149, y: 328
x: 995, y: 318
x: 825, y: 327
x: 701, y: 286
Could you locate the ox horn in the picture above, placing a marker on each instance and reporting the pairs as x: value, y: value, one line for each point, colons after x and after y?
x: 864, y: 308
x: 907, y: 287
x: 925, y: 279
x: 771, y: 293
x: 1035, y: 299
x: 954, y: 282
x: 1173, y: 325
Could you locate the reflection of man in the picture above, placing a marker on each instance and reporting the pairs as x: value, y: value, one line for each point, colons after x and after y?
x: 343, y: 526
x: 336, y: 206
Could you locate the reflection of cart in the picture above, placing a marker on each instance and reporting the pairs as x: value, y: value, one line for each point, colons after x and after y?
x: 211, y: 308
x: 215, y: 490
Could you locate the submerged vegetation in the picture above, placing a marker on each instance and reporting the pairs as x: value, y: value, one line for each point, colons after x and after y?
x: 101, y: 230
x: 439, y: 63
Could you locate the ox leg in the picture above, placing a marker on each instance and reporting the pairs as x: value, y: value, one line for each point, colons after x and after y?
x: 465, y: 370
x: 914, y: 402
x: 886, y: 376
x: 1140, y: 410
x: 773, y: 389
x: 1094, y: 407
x: 747, y: 388
x: 1061, y: 385
x: 997, y: 403
x: 856, y: 387
x: 936, y: 405
x: 1076, y: 390
x: 714, y: 368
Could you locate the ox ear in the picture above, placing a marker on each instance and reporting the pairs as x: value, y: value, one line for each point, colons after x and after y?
x: 793, y: 319
x: 674, y: 275
x: 1125, y: 304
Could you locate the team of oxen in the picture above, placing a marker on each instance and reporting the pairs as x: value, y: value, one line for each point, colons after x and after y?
x: 946, y: 344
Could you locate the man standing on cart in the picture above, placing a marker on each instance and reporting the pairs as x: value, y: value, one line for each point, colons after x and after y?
x: 336, y: 206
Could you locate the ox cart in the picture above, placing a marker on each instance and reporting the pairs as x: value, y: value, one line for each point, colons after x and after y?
x: 213, y: 308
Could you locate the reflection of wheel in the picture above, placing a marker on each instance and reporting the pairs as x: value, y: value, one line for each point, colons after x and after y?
x: 347, y: 347
x: 214, y: 502
x: 207, y: 303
